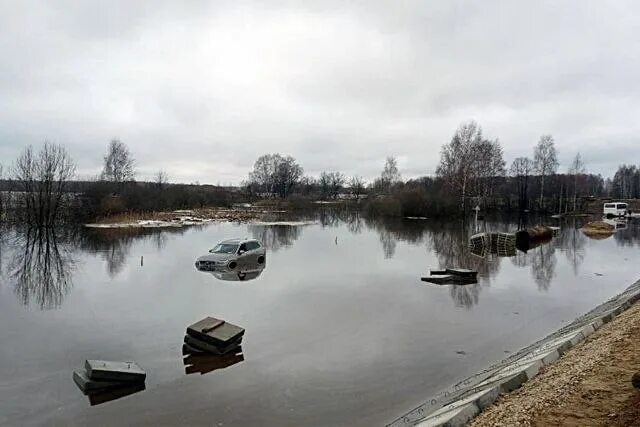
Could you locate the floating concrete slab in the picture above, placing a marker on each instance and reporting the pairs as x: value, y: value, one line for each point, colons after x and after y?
x: 463, y: 272
x: 449, y: 279
x: 87, y: 386
x: 437, y: 272
x: 215, y: 331
x: 442, y: 279
x: 99, y: 370
x: 210, y: 348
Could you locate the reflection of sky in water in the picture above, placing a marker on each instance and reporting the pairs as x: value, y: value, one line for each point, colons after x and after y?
x: 340, y: 330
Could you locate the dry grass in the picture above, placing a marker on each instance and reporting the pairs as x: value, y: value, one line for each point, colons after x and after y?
x: 598, y: 228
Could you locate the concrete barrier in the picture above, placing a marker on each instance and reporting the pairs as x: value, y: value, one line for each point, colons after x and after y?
x: 465, y: 400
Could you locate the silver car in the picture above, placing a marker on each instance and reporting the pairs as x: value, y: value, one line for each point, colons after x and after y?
x: 233, y: 254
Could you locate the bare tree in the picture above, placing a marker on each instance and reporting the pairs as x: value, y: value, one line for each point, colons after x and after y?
x: 43, y: 178
x: 337, y: 183
x: 118, y: 163
x: 161, y: 178
x: 576, y: 168
x: 356, y: 183
x: 288, y: 174
x: 390, y: 174
x: 545, y: 161
x: 457, y: 160
x: 521, y: 169
x: 488, y: 164
x: 275, y: 174
x: 331, y: 183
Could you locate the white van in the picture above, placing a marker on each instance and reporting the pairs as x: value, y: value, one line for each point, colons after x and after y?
x: 615, y: 209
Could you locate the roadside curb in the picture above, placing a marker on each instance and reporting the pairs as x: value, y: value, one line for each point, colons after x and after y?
x: 465, y: 400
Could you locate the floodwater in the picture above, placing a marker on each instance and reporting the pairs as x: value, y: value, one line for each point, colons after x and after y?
x: 339, y: 328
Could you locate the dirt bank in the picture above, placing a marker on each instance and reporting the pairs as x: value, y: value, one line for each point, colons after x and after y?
x: 589, y: 386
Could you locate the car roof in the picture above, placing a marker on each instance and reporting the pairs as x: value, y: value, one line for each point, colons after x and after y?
x: 238, y: 241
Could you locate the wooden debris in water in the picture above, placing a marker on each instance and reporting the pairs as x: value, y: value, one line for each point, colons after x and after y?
x: 485, y: 244
x: 533, y: 237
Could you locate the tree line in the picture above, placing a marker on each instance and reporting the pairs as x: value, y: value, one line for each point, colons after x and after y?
x: 471, y: 172
x: 40, y: 189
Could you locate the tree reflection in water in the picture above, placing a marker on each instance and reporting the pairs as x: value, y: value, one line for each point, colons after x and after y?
x: 543, y: 265
x: 465, y: 296
x: 275, y: 237
x: 630, y: 234
x: 390, y: 231
x: 114, y: 245
x: 41, y: 266
x: 572, y: 241
x: 450, y: 243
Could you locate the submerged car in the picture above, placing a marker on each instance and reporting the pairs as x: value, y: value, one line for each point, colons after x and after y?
x: 233, y: 255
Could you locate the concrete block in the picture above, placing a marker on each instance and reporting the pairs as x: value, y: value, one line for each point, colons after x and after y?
x: 457, y: 417
x: 215, y: 331
x: 514, y: 382
x: 587, y: 330
x: 192, y: 342
x: 607, y: 316
x: 597, y: 323
x: 546, y: 355
x: 578, y: 338
x: 114, y: 371
x: 564, y: 347
x: 512, y: 377
x: 87, y: 386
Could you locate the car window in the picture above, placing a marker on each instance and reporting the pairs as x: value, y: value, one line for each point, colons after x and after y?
x: 609, y: 205
x: 622, y: 205
x: 252, y: 245
x: 224, y: 248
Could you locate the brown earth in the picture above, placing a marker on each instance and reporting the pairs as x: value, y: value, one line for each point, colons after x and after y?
x: 589, y: 386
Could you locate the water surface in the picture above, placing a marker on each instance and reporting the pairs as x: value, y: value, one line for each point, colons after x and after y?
x: 339, y: 328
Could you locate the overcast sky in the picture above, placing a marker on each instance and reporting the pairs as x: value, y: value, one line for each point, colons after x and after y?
x: 202, y: 88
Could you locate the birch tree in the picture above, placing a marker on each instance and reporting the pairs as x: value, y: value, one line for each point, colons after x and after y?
x: 545, y: 161
x: 576, y: 168
x: 390, y: 174
x: 457, y: 160
x: 118, y: 163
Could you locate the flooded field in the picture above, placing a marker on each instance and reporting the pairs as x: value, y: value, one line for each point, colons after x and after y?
x: 340, y: 330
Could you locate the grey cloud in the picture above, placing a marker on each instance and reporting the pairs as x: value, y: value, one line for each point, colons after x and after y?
x: 202, y: 88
